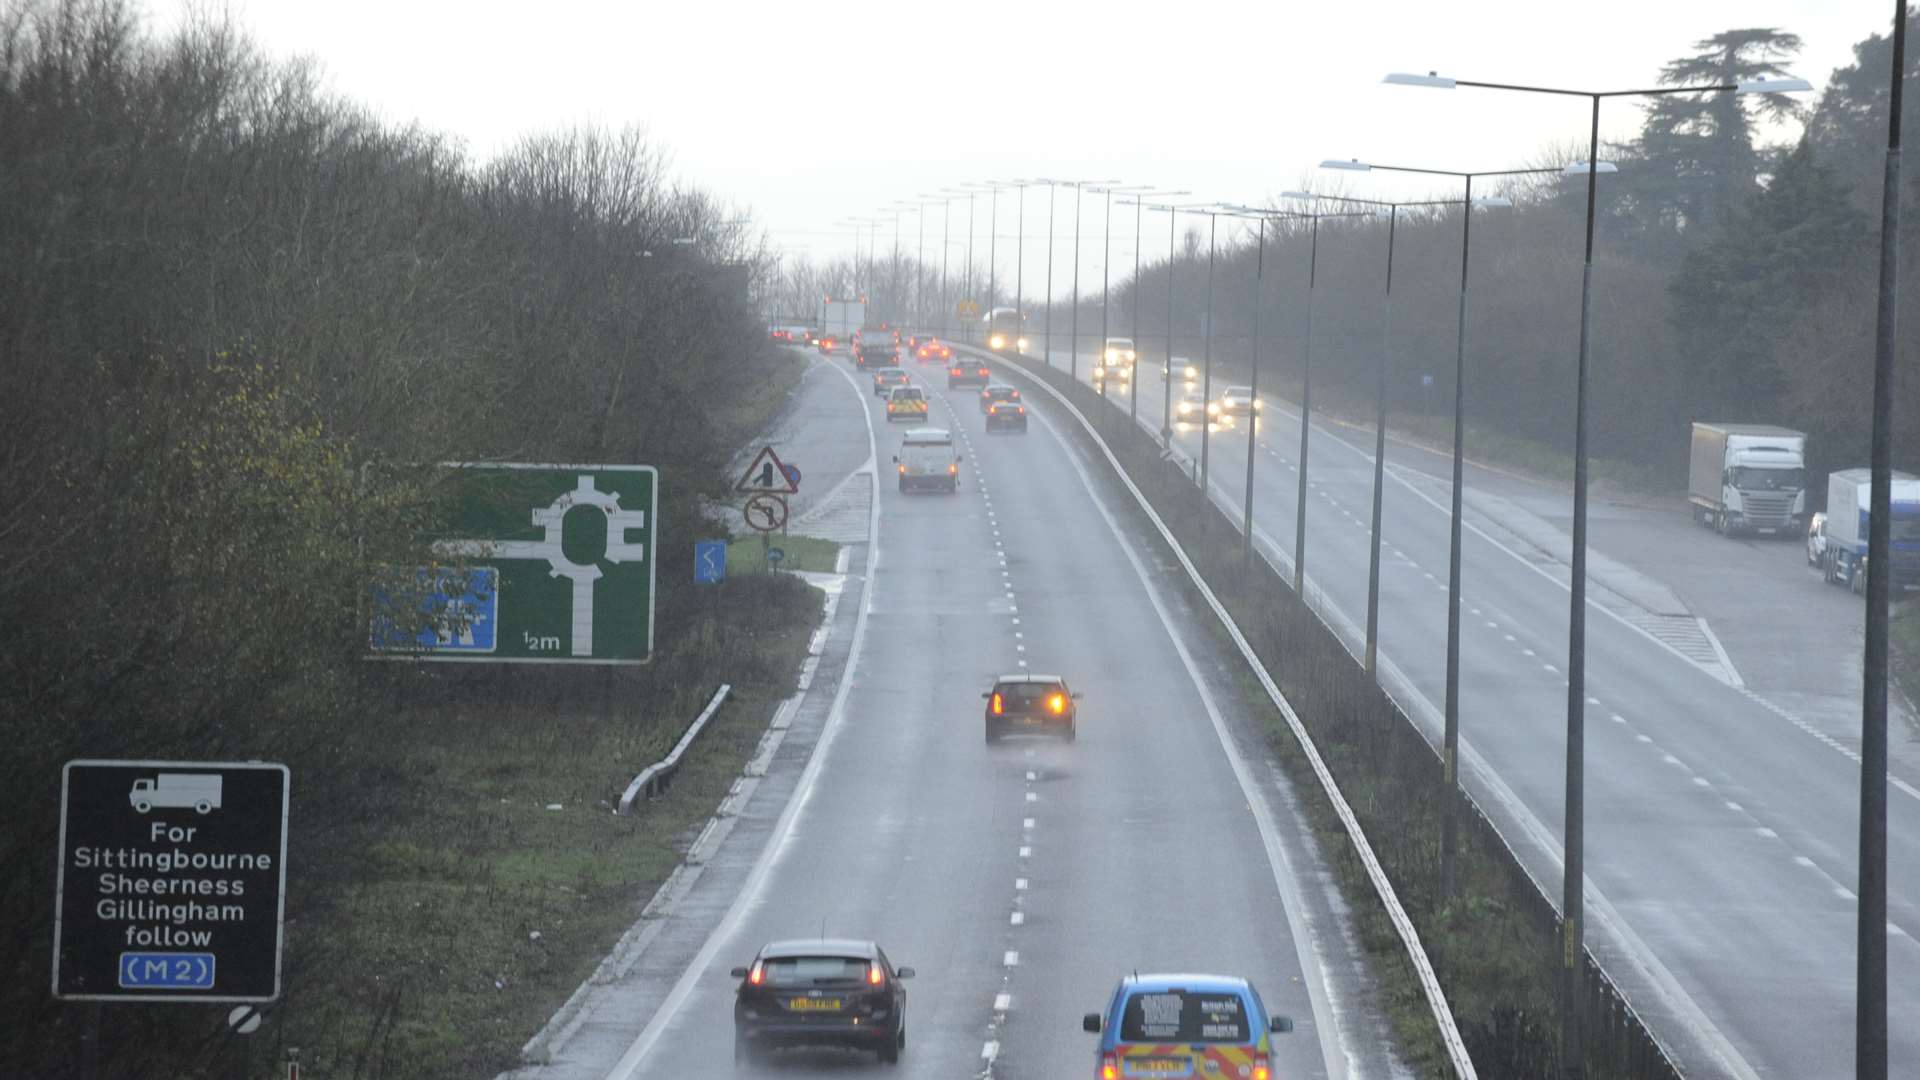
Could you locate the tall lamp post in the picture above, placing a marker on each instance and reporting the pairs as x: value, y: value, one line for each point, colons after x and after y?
x: 1106, y: 260
x: 1450, y: 742
x: 1261, y: 215
x: 1870, y: 1022
x: 1133, y: 385
x: 1572, y: 909
x: 1392, y: 210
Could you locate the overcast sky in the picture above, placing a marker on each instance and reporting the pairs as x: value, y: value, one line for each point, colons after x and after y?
x: 805, y: 114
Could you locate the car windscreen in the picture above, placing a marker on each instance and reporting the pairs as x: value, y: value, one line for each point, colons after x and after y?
x: 1180, y: 1016
x: 908, y: 393
x: 1748, y: 478
x: 815, y: 971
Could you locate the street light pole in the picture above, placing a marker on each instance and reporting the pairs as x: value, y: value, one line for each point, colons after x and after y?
x: 1450, y: 741
x: 1049, y: 346
x: 1572, y: 900
x: 1166, y: 386
x: 1206, y: 376
x: 1870, y: 1023
x: 1073, y: 346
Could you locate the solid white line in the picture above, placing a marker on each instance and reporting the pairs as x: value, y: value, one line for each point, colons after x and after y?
x: 676, y: 999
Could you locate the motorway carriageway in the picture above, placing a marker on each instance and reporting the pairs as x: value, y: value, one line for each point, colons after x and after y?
x: 1721, y: 834
x: 1022, y: 880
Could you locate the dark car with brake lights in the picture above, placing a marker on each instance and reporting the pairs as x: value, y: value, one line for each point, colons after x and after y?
x: 1185, y: 1026
x: 993, y: 392
x: 820, y: 992
x: 1007, y: 414
x: 1031, y: 703
x: 967, y: 373
x: 886, y: 378
x: 932, y: 350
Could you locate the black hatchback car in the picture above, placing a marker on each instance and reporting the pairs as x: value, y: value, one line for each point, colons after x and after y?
x: 993, y: 392
x: 1006, y: 414
x: 820, y: 992
x: 1031, y: 703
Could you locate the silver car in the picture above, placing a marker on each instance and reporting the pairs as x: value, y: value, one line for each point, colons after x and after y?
x: 1816, y: 538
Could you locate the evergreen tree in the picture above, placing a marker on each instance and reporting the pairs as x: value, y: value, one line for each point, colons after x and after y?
x: 1699, y: 149
x: 1736, y: 298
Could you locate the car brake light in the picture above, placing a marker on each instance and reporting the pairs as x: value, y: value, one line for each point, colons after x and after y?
x: 758, y: 974
x: 873, y: 975
x: 1057, y: 702
x: 954, y: 469
x: 1109, y: 1068
x: 1022, y: 410
x: 903, y: 470
x: 1260, y: 1072
x: 997, y: 707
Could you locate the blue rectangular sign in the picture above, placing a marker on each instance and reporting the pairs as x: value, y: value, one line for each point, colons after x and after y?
x: 166, y: 971
x: 709, y: 562
x: 465, y: 611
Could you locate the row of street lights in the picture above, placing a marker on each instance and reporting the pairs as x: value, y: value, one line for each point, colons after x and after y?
x: 1871, y: 1021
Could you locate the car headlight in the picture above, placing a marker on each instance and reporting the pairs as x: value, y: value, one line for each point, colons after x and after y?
x: 1257, y: 406
x: 997, y: 342
x: 1022, y: 343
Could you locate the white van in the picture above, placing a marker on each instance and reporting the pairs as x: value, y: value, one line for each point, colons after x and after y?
x: 927, y: 460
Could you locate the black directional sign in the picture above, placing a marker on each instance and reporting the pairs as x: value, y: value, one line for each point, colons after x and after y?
x: 172, y: 881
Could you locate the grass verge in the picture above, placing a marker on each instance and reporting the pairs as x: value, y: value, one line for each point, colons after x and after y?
x: 483, y: 875
x: 1495, y: 943
x: 748, y: 555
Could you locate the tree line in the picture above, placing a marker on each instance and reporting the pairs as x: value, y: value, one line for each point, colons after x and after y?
x: 237, y: 314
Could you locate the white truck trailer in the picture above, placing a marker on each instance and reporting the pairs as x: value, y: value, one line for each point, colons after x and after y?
x: 840, y: 319
x: 1844, y: 561
x: 1748, y: 478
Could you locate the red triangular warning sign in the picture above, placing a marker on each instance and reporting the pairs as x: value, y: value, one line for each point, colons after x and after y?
x: 767, y: 473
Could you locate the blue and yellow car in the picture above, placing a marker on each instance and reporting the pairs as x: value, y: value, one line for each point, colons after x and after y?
x: 1211, y: 1027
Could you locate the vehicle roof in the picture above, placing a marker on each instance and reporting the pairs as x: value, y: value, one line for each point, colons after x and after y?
x: 908, y: 390
x: 1025, y: 677
x: 819, y: 947
x: 992, y: 386
x: 1161, y: 982
x: 1231, y: 389
x: 1127, y: 339
x: 927, y: 435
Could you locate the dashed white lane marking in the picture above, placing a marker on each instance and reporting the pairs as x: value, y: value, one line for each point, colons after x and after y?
x: 1026, y: 853
x: 1765, y: 833
x: 1012, y: 958
x: 1844, y: 893
x: 989, y: 1051
x: 1550, y: 668
x: 1031, y: 775
x: 1002, y: 1002
x: 1509, y: 637
x: 1033, y: 797
x: 1702, y: 781
x: 1491, y: 625
x: 1023, y: 663
x: 1017, y: 918
x: 1617, y: 718
x: 1016, y: 622
x: 1671, y: 760
x: 1020, y: 884
x: 1526, y: 652
x: 1804, y: 861
x: 1027, y: 824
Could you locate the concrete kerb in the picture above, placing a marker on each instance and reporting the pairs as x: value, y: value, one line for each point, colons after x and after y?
x: 1396, y: 913
x: 572, y: 1014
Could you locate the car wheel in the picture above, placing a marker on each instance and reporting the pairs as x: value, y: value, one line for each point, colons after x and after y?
x: 1072, y: 731
x: 993, y: 734
x: 890, y: 1053
x: 743, y: 1052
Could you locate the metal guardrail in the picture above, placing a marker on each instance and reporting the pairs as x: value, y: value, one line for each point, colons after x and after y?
x: 1403, y: 925
x: 655, y: 777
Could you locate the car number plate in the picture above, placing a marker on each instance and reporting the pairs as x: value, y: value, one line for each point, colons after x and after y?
x: 813, y: 1004
x: 1158, y: 1066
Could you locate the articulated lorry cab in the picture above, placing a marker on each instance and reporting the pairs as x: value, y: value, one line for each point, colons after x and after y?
x: 1748, y: 478
x: 1845, y: 559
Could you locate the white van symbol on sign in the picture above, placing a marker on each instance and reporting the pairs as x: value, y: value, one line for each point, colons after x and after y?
x: 198, y: 790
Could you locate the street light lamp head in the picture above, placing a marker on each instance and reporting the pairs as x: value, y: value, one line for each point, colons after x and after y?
x: 1771, y: 86
x: 1353, y: 165
x: 1581, y: 168
x: 1432, y: 79
x: 683, y: 241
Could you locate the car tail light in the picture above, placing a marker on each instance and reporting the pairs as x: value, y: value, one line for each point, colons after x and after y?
x: 873, y: 975
x: 1057, y: 703
x: 1022, y: 410
x: 1016, y: 393
x: 758, y: 975
x: 1260, y: 1072
x: 1109, y: 1068
x: 903, y: 470
x: 998, y: 706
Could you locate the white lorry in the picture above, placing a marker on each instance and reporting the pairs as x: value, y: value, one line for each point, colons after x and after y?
x: 1844, y: 559
x: 1748, y: 478
x: 841, y: 319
